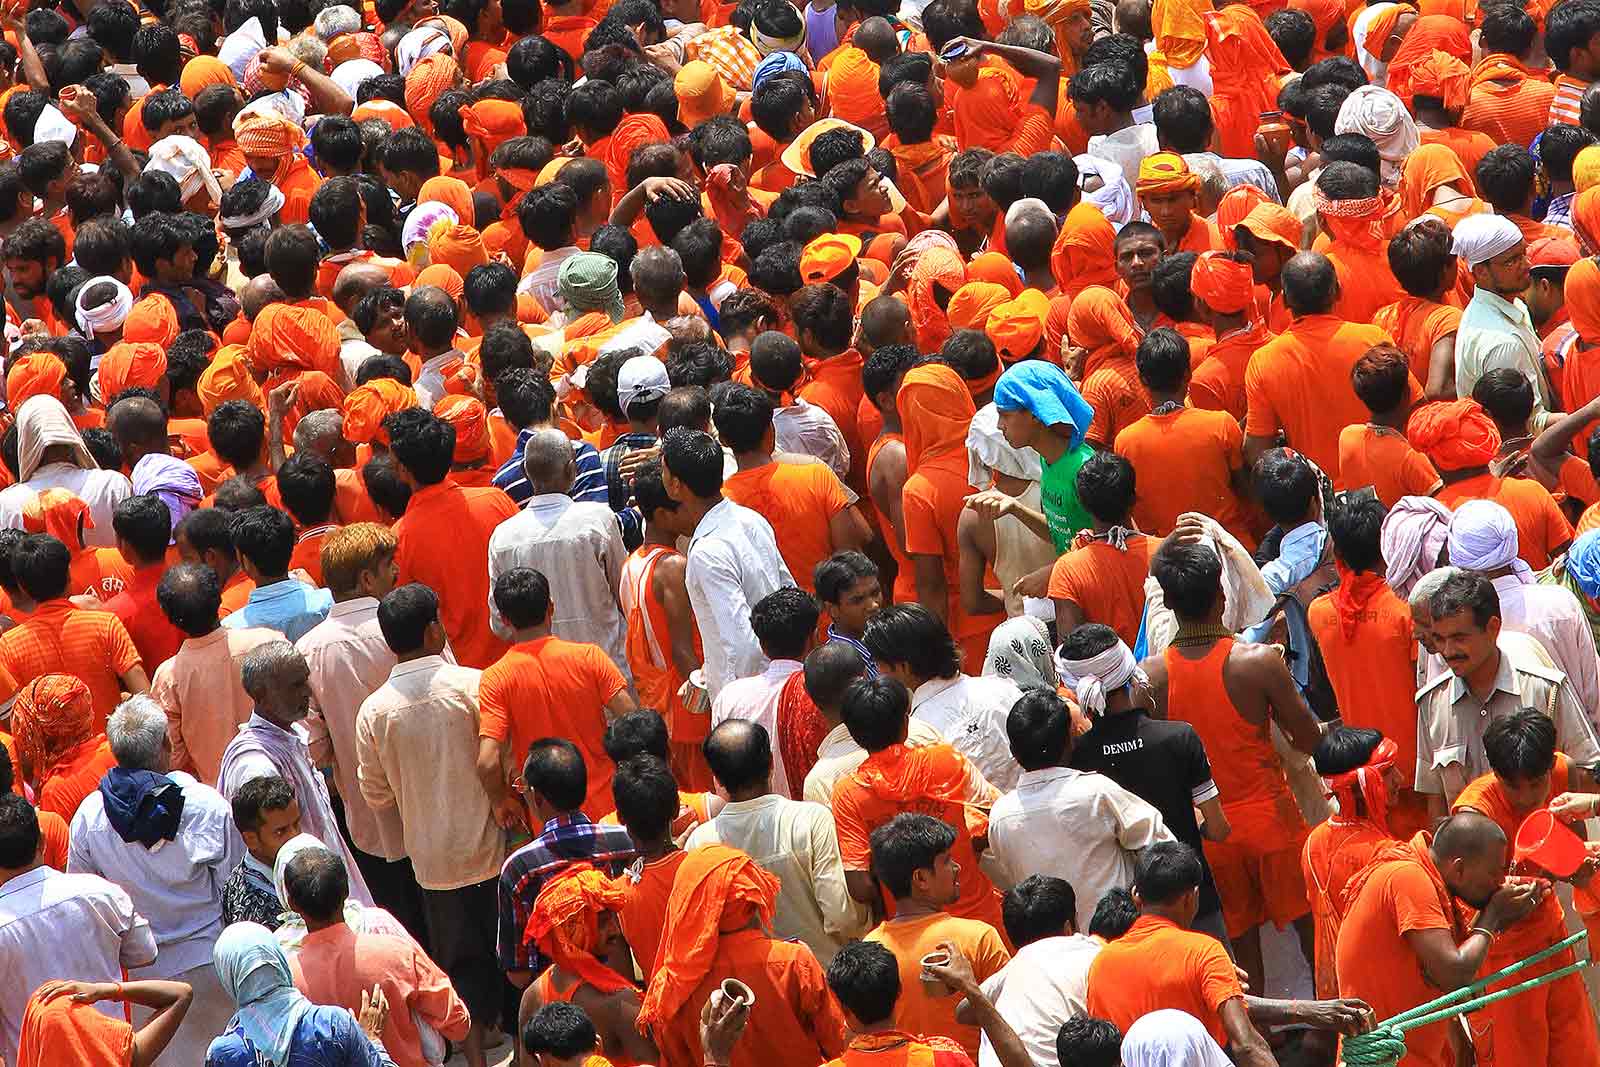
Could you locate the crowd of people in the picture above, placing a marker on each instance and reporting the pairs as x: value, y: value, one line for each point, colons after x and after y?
x: 926, y: 533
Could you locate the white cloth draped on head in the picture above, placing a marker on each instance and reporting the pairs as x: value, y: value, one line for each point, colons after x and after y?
x: 417, y: 45
x: 1106, y: 672
x: 1019, y: 650
x: 1479, y: 238
x: 42, y: 421
x: 54, y: 126
x: 189, y: 164
x: 1483, y: 538
x: 1114, y: 197
x: 109, y: 315
x: 1171, y: 1038
x: 1382, y: 116
x: 1414, y: 533
x: 352, y: 72
x: 1377, y: 70
x: 269, y: 207
x: 988, y: 452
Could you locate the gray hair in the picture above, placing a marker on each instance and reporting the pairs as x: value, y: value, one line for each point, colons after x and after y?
x: 1431, y: 583
x: 545, y: 459
x: 315, y: 425
x: 657, y: 270
x: 1029, y: 205
x: 339, y: 18
x: 137, y: 730
x: 309, y: 50
x: 264, y: 664
x: 1028, y: 31
x: 1214, y: 184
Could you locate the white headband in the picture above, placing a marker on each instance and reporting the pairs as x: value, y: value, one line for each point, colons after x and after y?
x: 268, y: 208
x: 107, y: 316
x: 1100, y: 674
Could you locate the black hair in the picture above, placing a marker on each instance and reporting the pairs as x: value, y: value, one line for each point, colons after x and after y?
x: 1087, y: 1042
x: 699, y: 248
x: 293, y: 257
x: 1106, y: 486
x: 1561, y: 142
x: 36, y: 240
x: 316, y: 883
x: 1170, y: 285
x: 256, y: 797
x: 384, y: 485
x: 913, y: 635
x: 560, y: 1029
x: 1295, y: 34
x: 646, y: 795
x: 1183, y: 120
x: 1163, y: 359
x: 555, y: 769
x: 19, y: 832
x: 533, y: 59
x: 1051, y: 177
x: 1504, y: 27
x: 522, y: 596
x: 1344, y: 748
x: 145, y: 522
x: 1463, y: 591
x: 1355, y: 528
x: 694, y: 458
x: 1165, y: 871
x: 595, y: 108
x: 1506, y: 395
x: 1418, y: 255
x: 405, y: 615
x: 265, y: 536
x: 784, y: 620
x: 547, y: 215
x: 865, y: 977
x: 911, y: 112
x: 642, y: 732
x: 42, y: 566
x: 237, y: 430
x: 157, y: 54
x: 100, y: 245
x: 190, y: 596
x: 1190, y: 577
x: 777, y: 101
x: 1521, y: 745
x: 742, y: 415
x: 1039, y: 727
x: 908, y: 843
x: 834, y: 576
x: 1286, y: 485
x: 1115, y: 912
x: 432, y: 315
x: 112, y: 26
x: 1111, y: 84
x: 422, y: 443
x: 874, y: 711
x: 1505, y: 178
x: 1039, y: 906
x: 411, y: 151
x: 168, y: 105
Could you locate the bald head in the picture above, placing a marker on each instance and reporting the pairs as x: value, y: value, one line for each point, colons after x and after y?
x: 1030, y: 233
x: 1467, y: 835
x: 257, y: 293
x: 658, y: 277
x: 739, y: 753
x: 1310, y: 284
x: 548, y: 461
x: 356, y: 281
x: 885, y: 321
x: 139, y: 427
x: 876, y: 37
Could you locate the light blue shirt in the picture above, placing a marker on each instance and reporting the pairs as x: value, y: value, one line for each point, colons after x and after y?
x: 1495, y: 333
x: 290, y: 607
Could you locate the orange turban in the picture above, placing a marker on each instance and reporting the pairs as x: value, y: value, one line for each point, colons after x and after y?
x: 368, y: 405
x: 1016, y: 326
x: 1235, y: 205
x: 997, y: 268
x: 453, y: 193
x: 396, y: 116
x: 228, y: 378
x: 1100, y: 321
x: 1179, y: 29
x: 431, y: 76
x: 285, y: 336
x: 969, y: 308
x: 1583, y: 299
x: 1085, y: 252
x: 717, y: 889
x: 1438, y: 74
x: 942, y: 266
x: 35, y: 374
x: 152, y: 319
x: 1454, y: 435
x: 267, y: 133
x: 1164, y: 172
x: 458, y: 247
x: 634, y: 131
x: 62, y: 514
x: 202, y: 72
x: 853, y: 88
x: 471, y: 420
x: 492, y: 123
x: 1586, y: 220
x: 131, y: 363
x: 52, y: 717
x: 1381, y: 26
x: 1223, y: 284
x: 444, y: 276
x: 565, y: 923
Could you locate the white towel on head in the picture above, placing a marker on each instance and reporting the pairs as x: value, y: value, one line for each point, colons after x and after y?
x: 1479, y: 238
x: 1381, y: 115
x: 1114, y: 198
x: 1483, y: 538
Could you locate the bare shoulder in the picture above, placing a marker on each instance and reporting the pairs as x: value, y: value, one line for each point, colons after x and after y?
x: 1256, y: 661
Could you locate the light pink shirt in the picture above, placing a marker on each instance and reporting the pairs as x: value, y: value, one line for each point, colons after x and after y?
x: 1553, y: 615
x: 205, y: 702
x: 349, y: 659
x: 334, y: 965
x: 755, y: 699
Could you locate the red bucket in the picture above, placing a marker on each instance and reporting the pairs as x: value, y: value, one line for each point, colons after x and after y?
x: 1546, y: 841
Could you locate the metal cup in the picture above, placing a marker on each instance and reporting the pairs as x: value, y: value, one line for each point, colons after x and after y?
x: 931, y: 985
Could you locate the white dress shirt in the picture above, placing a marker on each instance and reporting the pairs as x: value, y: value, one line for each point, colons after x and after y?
x: 1077, y: 825
x: 429, y: 385
x: 755, y: 699
x: 177, y: 884
x: 1045, y: 984
x: 55, y: 925
x: 970, y: 712
x: 1553, y: 615
x: 838, y: 755
x: 795, y: 841
x: 101, y: 490
x: 578, y: 548
x: 733, y: 561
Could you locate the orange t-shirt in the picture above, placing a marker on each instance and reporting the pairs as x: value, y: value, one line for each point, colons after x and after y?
x: 916, y: 1012
x: 447, y: 514
x: 307, y: 555
x: 1509, y: 114
x: 1366, y: 282
x: 236, y: 593
x: 1218, y: 383
x: 1157, y: 965
x: 836, y: 388
x: 1299, y: 382
x: 1184, y: 461
x: 1203, y: 236
x: 351, y: 504
x: 211, y: 469
x: 1416, y: 326
x: 645, y: 908
x: 64, y: 790
x: 798, y: 499
x: 1470, y: 146
x: 930, y: 505
x: 1384, y: 459
x: 53, y: 840
x: 62, y: 639
x: 548, y: 687
x: 1118, y: 397
x: 399, y: 271
x: 1335, y: 850
x: 1373, y: 671
x: 1541, y: 527
x: 100, y: 572
x: 1106, y: 583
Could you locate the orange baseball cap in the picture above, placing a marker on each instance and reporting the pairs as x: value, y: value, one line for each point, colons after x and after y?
x: 1553, y: 252
x: 1017, y: 326
x: 828, y: 256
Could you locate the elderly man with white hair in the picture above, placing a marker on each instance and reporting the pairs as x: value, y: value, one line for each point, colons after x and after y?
x: 1483, y: 539
x: 170, y: 843
x: 1496, y: 329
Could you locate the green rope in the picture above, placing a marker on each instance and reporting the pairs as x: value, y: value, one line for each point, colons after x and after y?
x: 1385, y: 1045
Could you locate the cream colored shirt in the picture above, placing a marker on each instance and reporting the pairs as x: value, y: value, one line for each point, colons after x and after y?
x: 838, y: 755
x: 417, y: 751
x: 205, y: 702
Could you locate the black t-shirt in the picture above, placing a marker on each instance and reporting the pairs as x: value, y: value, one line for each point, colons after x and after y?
x: 1164, y: 763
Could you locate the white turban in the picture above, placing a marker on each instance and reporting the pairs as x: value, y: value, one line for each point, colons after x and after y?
x: 988, y: 452
x: 352, y: 72
x: 1479, y: 238
x: 1483, y: 538
x: 1380, y: 115
x: 1114, y: 197
x: 417, y: 45
x: 54, y: 126
x: 1091, y: 679
x: 108, y: 316
x: 189, y: 164
x: 1414, y: 532
x: 269, y: 207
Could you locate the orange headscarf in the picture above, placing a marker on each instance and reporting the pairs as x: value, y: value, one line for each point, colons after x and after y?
x: 202, y: 72
x: 1234, y: 207
x: 969, y: 308
x: 444, y: 277
x: 491, y: 123
x: 1085, y: 252
x: 1100, y: 321
x: 1365, y: 223
x: 1428, y: 168
x: 368, y: 405
x: 52, y: 718
x: 267, y: 133
x: 458, y: 247
x: 62, y: 514
x: 1325, y: 15
x: 286, y: 337
x: 1223, y: 284
x: 853, y: 89
x: 431, y: 76
x: 35, y: 374
x: 1247, y: 69
x: 1429, y: 34
x: 634, y: 131
x: 152, y: 319
x: 936, y: 265
x: 1454, y: 435
x: 61, y: 1031
x: 717, y: 889
x: 377, y: 108
x: 1180, y: 31
x: 453, y: 193
x: 990, y: 108
x: 131, y: 363
x: 996, y: 268
x: 1586, y: 220
x: 471, y: 420
x: 936, y: 411
x: 228, y: 378
x: 1583, y: 299
x: 565, y: 923
x: 1438, y: 74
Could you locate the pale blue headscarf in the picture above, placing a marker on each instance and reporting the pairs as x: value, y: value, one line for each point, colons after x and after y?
x: 255, y: 972
x: 1583, y: 562
x: 1045, y: 391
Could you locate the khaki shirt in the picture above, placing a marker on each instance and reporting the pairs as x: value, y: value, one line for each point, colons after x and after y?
x: 1451, y: 721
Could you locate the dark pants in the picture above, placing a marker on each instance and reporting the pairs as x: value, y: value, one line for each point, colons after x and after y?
x: 461, y: 928
x: 393, y: 883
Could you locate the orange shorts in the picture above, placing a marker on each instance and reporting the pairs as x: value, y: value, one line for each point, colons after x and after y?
x: 1258, y: 886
